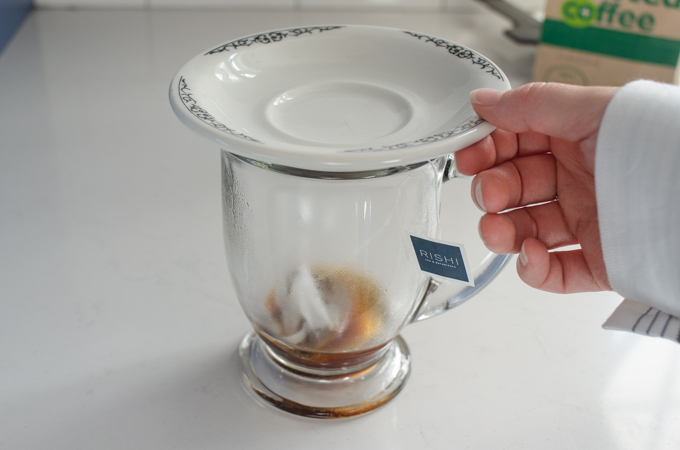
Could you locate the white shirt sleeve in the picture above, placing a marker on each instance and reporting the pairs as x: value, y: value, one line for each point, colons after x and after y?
x: 637, y: 180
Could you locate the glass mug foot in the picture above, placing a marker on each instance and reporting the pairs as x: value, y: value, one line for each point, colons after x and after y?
x: 323, y: 394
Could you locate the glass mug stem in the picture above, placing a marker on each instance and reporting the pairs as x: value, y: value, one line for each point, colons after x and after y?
x: 324, y: 270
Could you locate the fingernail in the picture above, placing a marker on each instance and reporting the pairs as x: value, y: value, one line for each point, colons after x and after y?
x: 523, y: 259
x: 485, y: 96
x: 478, y: 196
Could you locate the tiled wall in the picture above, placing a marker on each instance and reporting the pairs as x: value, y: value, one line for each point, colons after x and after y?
x: 531, y: 6
x: 280, y: 4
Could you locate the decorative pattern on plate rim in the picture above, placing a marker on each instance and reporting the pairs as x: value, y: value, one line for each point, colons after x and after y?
x: 268, y: 38
x: 461, y: 52
x: 470, y: 123
x: 200, y: 113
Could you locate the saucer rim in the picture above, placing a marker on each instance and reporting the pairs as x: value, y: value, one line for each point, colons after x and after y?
x: 339, y: 159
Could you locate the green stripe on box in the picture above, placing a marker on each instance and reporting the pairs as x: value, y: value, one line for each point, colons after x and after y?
x: 613, y: 43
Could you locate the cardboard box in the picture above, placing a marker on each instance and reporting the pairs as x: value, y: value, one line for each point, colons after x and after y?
x: 609, y: 42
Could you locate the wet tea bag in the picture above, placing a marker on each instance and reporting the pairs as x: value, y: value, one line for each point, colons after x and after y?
x: 325, y: 307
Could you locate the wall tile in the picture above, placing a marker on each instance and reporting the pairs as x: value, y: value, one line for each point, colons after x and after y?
x: 529, y: 6
x: 426, y: 5
x: 466, y: 6
x: 90, y: 3
x: 241, y: 4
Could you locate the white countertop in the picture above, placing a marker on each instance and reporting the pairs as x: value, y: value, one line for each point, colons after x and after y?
x: 118, y: 322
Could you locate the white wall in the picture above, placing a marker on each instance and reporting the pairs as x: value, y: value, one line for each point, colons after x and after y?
x: 531, y: 6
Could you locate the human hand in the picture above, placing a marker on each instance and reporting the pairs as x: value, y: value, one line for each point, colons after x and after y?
x: 537, y: 169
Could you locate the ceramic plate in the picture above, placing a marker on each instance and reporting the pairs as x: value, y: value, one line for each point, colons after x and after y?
x: 336, y: 98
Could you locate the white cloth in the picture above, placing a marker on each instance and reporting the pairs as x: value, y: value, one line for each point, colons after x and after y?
x: 637, y: 179
x: 643, y: 319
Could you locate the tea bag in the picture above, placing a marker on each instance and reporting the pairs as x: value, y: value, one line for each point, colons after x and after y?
x: 322, y: 308
x: 306, y: 312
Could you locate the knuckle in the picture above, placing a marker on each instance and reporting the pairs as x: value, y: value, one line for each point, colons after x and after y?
x: 525, y: 100
x: 530, y: 92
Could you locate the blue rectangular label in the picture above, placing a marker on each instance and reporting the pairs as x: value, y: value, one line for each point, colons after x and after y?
x: 444, y: 259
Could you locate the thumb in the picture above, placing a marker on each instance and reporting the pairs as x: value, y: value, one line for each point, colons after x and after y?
x: 568, y: 112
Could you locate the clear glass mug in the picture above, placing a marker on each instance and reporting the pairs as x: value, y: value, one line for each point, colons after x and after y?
x: 324, y: 269
x: 339, y: 132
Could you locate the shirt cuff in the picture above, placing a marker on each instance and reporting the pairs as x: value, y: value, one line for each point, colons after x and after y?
x: 645, y: 320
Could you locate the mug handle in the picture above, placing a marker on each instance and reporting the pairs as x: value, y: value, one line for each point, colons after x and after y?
x: 439, y: 296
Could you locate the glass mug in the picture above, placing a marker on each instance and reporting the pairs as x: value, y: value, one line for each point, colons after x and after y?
x: 325, y: 271
x: 332, y: 148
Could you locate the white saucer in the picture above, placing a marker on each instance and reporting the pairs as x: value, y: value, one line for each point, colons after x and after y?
x: 336, y: 98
